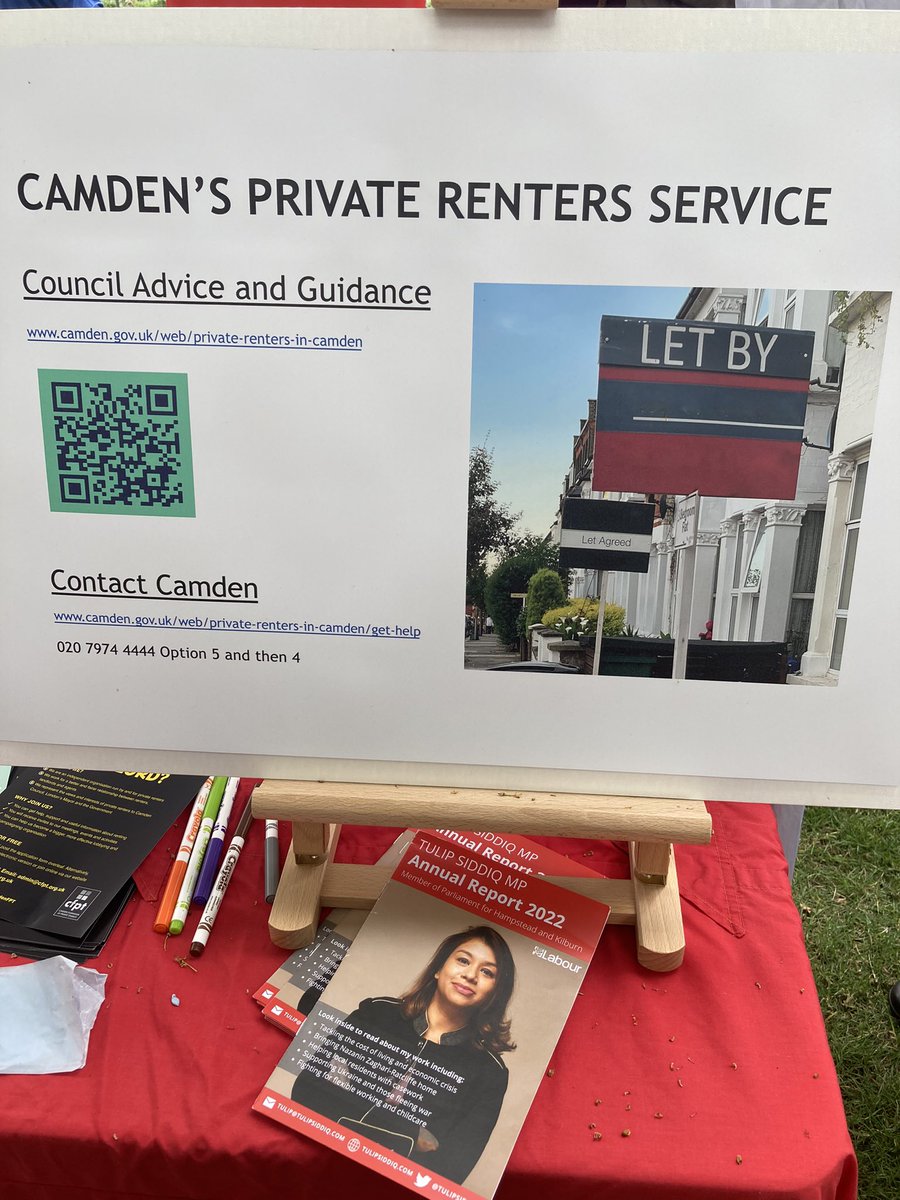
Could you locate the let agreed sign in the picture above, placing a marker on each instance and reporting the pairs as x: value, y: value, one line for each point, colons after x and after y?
x: 606, y: 535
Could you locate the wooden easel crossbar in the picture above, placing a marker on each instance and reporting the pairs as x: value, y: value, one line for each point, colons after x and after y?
x: 648, y: 899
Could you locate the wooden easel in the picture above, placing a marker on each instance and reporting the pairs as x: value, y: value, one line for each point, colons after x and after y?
x: 649, y: 899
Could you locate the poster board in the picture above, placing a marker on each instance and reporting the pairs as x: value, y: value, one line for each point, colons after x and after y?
x: 324, y: 501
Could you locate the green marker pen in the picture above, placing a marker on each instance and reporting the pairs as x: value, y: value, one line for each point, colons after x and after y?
x: 195, y: 862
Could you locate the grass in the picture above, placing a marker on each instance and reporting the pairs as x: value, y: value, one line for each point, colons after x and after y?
x: 847, y: 887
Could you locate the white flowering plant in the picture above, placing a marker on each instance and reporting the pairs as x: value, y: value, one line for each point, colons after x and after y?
x: 579, y: 619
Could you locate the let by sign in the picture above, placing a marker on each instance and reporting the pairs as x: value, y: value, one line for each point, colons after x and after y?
x: 686, y: 406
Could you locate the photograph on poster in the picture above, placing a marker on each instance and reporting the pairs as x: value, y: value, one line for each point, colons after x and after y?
x: 734, y: 424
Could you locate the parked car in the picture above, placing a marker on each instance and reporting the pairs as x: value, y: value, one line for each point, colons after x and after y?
x: 552, y: 668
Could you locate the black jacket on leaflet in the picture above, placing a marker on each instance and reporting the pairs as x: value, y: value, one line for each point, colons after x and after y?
x: 378, y: 1076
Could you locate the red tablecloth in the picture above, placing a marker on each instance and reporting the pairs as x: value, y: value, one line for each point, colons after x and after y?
x: 720, y: 1071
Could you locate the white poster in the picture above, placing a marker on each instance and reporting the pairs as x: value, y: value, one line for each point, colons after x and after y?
x: 269, y: 279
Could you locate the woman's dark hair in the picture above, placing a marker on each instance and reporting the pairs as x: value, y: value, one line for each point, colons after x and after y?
x: 489, y: 1025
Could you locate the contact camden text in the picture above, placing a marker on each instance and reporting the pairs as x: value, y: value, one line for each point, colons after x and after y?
x: 164, y: 585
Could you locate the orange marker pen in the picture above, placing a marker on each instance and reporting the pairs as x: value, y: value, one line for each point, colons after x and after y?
x: 179, y: 866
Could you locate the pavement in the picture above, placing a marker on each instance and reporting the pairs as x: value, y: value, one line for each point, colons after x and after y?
x: 487, y: 652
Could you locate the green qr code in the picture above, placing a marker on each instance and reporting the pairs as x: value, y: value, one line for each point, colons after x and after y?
x: 117, y: 442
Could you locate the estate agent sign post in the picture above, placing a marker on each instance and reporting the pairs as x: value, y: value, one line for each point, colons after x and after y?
x: 605, y: 535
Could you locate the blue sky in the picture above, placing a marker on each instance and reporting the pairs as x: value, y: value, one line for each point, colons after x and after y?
x: 534, y: 367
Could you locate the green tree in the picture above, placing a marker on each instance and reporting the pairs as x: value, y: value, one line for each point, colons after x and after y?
x: 512, y: 575
x: 543, y: 552
x: 491, y: 523
x: 545, y: 591
x: 856, y: 315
